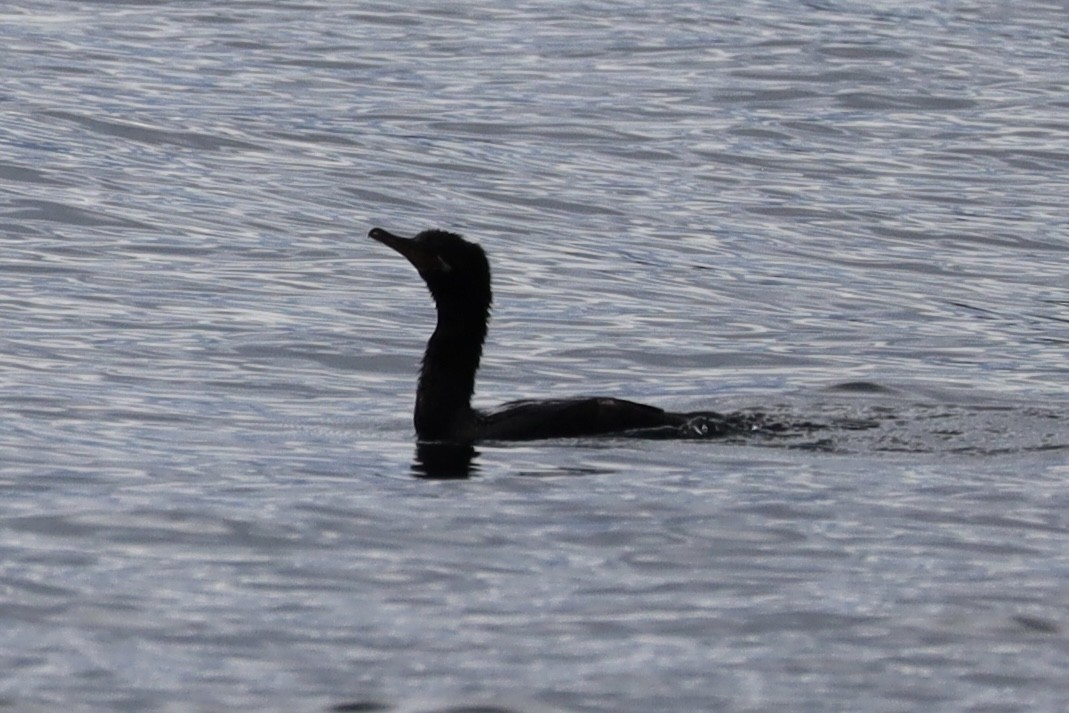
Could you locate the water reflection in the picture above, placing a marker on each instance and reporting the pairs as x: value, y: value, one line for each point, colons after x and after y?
x: 445, y: 461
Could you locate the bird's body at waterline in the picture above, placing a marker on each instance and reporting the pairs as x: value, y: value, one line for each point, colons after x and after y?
x: 457, y: 274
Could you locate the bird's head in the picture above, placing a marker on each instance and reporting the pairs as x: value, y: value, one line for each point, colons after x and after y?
x: 456, y: 270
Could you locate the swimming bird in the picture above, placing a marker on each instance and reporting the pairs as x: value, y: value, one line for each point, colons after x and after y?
x: 457, y: 274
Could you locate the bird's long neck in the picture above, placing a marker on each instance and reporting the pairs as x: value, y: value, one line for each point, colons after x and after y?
x: 447, y: 377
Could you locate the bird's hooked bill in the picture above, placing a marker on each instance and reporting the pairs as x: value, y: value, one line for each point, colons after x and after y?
x: 423, y: 258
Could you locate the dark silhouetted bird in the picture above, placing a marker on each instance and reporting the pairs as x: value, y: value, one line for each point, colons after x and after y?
x: 458, y: 276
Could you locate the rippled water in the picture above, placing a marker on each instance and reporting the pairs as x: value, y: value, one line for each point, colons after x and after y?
x: 831, y: 212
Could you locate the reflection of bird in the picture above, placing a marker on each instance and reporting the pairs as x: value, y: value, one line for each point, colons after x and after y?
x: 458, y: 276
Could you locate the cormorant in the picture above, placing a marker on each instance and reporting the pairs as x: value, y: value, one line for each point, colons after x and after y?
x: 458, y: 276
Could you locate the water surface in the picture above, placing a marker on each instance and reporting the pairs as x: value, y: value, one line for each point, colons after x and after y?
x: 824, y: 211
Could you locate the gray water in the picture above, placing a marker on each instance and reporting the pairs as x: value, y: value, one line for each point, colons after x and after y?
x: 827, y: 211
